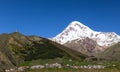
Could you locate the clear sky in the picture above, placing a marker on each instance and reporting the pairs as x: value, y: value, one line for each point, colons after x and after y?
x: 47, y: 18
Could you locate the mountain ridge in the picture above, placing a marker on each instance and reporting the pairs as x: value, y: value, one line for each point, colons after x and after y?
x: 77, y: 30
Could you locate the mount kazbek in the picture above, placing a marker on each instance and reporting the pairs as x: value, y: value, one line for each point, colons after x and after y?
x: 83, y: 39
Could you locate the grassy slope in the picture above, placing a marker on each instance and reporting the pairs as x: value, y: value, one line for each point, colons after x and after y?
x: 112, y: 53
x: 6, y: 59
x: 17, y: 48
x: 74, y: 70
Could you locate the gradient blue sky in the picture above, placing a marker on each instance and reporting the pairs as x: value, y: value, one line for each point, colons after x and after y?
x: 47, y: 18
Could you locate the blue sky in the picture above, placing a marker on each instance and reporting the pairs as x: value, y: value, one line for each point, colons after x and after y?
x: 47, y: 18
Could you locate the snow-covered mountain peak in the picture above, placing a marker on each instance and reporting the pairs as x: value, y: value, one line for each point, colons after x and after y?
x: 73, y: 31
x: 78, y: 25
x: 77, y: 30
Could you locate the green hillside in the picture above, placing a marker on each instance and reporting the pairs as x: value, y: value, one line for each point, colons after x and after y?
x: 16, y: 49
x: 112, y: 53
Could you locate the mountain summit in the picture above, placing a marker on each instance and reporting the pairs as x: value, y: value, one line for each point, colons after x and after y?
x: 77, y: 30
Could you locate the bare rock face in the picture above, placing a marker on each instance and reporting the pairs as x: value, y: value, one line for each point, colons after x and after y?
x: 86, y: 46
x: 89, y: 44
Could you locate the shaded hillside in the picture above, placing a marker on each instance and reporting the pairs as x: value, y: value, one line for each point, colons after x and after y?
x: 111, y: 53
x: 75, y: 54
x: 42, y: 49
x: 16, y: 48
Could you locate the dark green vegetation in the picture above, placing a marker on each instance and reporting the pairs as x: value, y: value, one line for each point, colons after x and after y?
x: 41, y: 50
x: 74, y: 70
x: 62, y: 61
x: 16, y: 49
x: 111, y: 66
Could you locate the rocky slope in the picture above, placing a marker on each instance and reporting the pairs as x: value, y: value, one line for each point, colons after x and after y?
x: 86, y: 46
